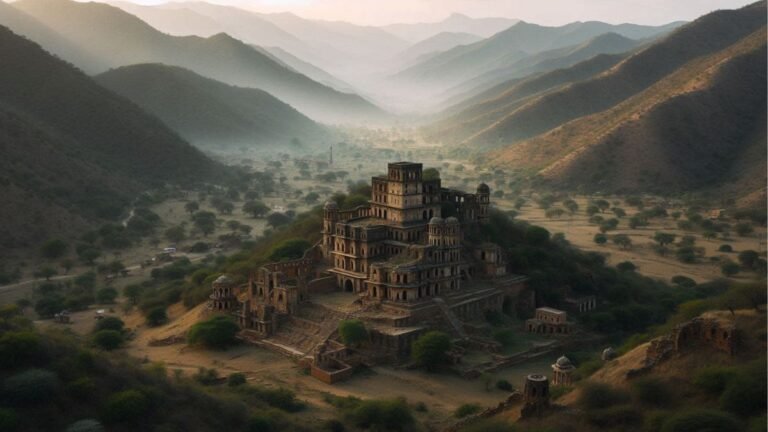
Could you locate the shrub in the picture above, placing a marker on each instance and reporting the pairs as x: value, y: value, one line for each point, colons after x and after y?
x: 466, y: 410
x: 617, y: 416
x: 431, y: 350
x: 386, y: 414
x: 236, y: 379
x: 110, y: 323
x: 504, y: 385
x: 683, y: 281
x: 128, y: 406
x: 744, y: 395
x: 352, y: 332
x: 653, y: 391
x: 206, y: 376
x: 626, y: 266
x: 31, y: 386
x: 536, y: 236
x: 725, y: 248
x: 216, y: 333
x: 108, y: 340
x: 601, y: 238
x: 106, y: 295
x: 157, y: 316
x: 598, y: 395
x: 729, y: 268
x: 20, y: 349
x: 701, y: 420
x: 714, y: 379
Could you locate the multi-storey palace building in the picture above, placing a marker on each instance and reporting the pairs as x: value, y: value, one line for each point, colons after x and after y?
x: 399, y: 248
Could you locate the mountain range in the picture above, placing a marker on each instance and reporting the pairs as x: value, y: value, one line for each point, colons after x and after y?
x: 212, y: 114
x: 686, y: 112
x: 72, y: 152
x: 114, y: 38
x: 507, y: 50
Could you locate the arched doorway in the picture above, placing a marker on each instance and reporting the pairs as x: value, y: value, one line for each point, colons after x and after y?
x: 348, y: 287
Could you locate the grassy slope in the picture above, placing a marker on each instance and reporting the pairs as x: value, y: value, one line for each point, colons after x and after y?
x: 206, y: 111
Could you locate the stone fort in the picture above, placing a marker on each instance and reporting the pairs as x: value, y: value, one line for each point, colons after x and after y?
x: 402, y: 264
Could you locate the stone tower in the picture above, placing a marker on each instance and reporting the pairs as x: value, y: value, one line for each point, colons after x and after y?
x: 223, y: 296
x: 484, y: 201
x: 563, y: 372
x: 330, y: 217
x: 535, y: 395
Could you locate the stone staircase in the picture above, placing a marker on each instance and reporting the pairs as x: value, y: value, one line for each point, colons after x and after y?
x: 450, y: 317
x: 312, y: 325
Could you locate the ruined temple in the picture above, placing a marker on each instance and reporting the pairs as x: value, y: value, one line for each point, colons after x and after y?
x: 404, y: 258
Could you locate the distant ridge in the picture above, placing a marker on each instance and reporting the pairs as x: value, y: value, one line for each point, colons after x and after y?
x: 116, y: 39
x: 210, y: 113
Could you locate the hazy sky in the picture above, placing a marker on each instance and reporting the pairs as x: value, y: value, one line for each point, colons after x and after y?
x: 378, y: 12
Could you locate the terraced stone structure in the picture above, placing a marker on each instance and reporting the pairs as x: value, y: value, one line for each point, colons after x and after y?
x: 403, y: 262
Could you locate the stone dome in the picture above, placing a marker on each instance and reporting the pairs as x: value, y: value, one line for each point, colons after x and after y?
x: 564, y: 362
x: 331, y: 205
x: 436, y: 221
x: 451, y: 220
x: 223, y: 280
x: 483, y: 188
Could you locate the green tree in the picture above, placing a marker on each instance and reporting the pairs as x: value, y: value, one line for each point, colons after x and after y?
x: 110, y: 323
x: 129, y: 406
x: 748, y: 259
x: 106, y: 295
x: 602, y: 204
x: 191, y: 207
x: 289, y: 249
x: 353, y: 332
x: 157, y: 316
x: 216, y: 333
x: 133, y: 292
x: 619, y: 212
x: 204, y: 221
x: 175, y: 234
x: 600, y: 238
x: 744, y: 229
x: 53, y: 249
x: 255, y: 208
x: 108, y: 340
x: 46, y: 272
x: 701, y: 420
x: 622, y: 240
x: 729, y: 268
x: 278, y: 219
x: 571, y: 205
x: 663, y: 238
x: 431, y: 350
x: 311, y: 197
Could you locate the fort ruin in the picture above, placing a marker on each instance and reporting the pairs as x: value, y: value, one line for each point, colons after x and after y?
x: 403, y: 264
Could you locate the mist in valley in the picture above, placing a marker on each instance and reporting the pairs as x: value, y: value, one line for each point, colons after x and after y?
x: 194, y: 233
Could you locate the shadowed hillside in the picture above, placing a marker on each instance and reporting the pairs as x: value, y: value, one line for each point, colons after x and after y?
x: 73, y: 151
x: 696, y: 128
x: 704, y: 36
x: 479, y: 112
x: 210, y: 113
x: 119, y: 39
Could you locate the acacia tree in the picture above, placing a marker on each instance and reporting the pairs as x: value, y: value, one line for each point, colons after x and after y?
x: 664, y: 239
x: 622, y: 240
